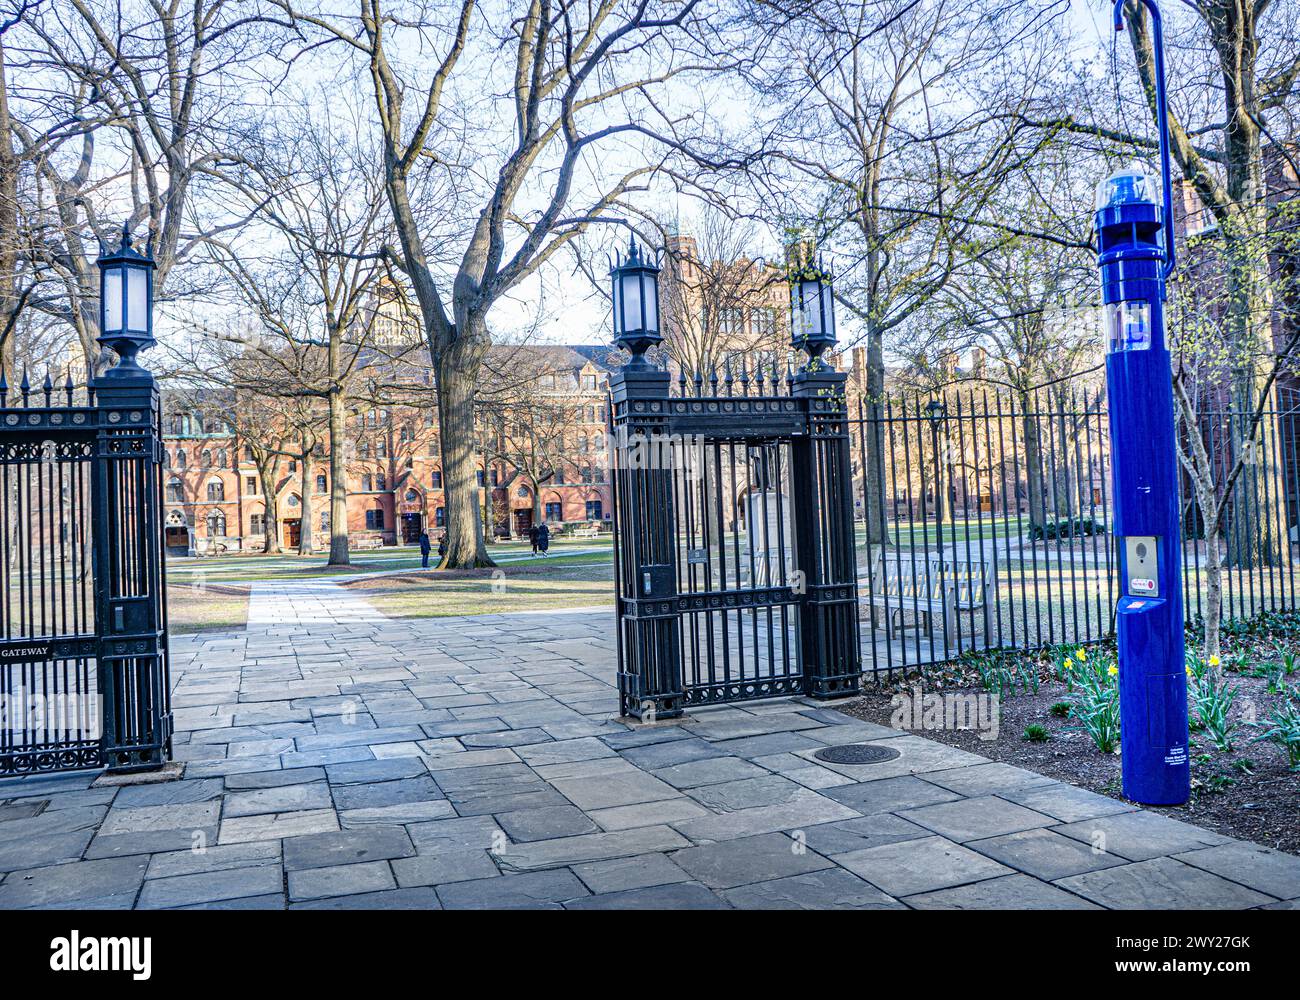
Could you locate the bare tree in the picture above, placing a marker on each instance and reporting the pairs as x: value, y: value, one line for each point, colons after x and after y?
x: 128, y: 112
x: 891, y: 113
x: 321, y: 298
x: 581, y: 81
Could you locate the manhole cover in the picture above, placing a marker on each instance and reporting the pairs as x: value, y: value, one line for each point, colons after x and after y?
x: 856, y: 753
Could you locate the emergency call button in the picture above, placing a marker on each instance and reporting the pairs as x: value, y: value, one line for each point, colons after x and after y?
x: 1145, y: 586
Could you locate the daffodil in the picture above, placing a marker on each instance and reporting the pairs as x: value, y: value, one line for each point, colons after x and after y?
x: 1214, y: 661
x: 1112, y: 670
x: 1081, y: 655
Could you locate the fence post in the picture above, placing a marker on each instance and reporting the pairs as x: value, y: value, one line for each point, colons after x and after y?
x: 822, y: 481
x: 134, y: 687
x: 650, y: 662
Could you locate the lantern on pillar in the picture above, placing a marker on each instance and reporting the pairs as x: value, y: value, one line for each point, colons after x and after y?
x: 126, y: 304
x: 635, y: 296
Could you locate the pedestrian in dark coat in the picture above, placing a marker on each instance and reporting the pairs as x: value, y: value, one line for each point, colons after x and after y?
x: 532, y: 537
x: 442, y: 545
x: 543, y: 539
x: 425, y: 547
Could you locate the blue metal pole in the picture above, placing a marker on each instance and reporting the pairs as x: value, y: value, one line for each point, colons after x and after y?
x: 1135, y: 236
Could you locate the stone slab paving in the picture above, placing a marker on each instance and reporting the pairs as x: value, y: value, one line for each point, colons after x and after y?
x: 335, y: 758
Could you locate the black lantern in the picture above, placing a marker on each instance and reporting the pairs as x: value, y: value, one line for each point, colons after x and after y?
x: 636, y: 303
x: 126, y: 304
x: 936, y: 411
x: 812, y: 309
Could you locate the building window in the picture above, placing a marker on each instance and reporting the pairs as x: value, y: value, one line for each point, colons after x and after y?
x: 221, y: 458
x: 731, y: 322
x: 559, y: 476
x: 764, y: 322
x: 600, y: 473
x: 433, y: 447
x: 175, y: 491
x: 582, y: 443
x: 216, y: 491
x: 555, y: 511
x: 595, y: 510
x: 381, y: 448
x: 522, y: 493
x: 293, y: 466
x: 205, y: 459
x: 367, y: 484
x: 180, y: 458
x: 412, y: 496
x: 440, y: 517
x: 294, y: 500
x: 374, y: 520
x: 257, y: 524
x: 496, y: 478
x: 248, y: 453
x: 481, y: 480
x: 322, y: 484
x: 586, y: 474
x: 435, y: 479
x: 250, y: 486
x: 325, y: 521
x: 363, y: 449
x: 216, y: 524
x: 381, y: 482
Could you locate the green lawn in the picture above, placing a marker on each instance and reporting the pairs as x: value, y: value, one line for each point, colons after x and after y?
x: 432, y: 594
x: 254, y: 568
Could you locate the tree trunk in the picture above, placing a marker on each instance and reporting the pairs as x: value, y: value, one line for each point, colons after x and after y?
x: 271, y: 523
x: 304, y: 491
x: 457, y: 370
x: 1213, y: 588
x: 1032, y: 444
x: 8, y: 231
x: 338, y: 481
x: 873, y: 462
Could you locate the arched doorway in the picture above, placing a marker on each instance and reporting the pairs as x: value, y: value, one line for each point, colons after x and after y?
x: 176, y: 534
x: 293, y: 525
x: 412, y: 516
x: 522, y: 514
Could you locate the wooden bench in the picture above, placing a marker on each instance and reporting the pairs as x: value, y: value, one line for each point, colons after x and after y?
x: 903, y: 583
x: 362, y: 542
x: 941, y: 584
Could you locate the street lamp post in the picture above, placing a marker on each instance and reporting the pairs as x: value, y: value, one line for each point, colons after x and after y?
x: 935, y: 411
x: 1136, y: 241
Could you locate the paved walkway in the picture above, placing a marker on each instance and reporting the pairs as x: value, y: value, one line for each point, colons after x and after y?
x: 337, y: 758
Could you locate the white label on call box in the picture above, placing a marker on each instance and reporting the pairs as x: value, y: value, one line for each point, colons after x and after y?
x: 1146, y: 586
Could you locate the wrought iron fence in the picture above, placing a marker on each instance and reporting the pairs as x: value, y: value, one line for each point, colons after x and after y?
x: 983, y: 520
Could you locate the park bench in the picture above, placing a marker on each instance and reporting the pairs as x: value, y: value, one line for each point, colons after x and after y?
x: 941, y: 584
x: 362, y: 542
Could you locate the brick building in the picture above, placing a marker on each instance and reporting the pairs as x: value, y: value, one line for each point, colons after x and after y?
x: 213, y: 496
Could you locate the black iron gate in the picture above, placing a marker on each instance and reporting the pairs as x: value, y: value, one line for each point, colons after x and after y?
x: 83, y: 653
x: 734, y: 557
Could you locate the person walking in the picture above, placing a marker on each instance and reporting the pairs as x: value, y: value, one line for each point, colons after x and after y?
x: 532, y: 537
x: 543, y: 541
x: 442, y: 546
x: 425, y: 547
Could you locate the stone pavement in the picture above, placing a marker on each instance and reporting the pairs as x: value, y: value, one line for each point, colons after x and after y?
x: 336, y: 758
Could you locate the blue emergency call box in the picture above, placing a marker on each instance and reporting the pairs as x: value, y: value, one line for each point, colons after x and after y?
x: 1144, y: 471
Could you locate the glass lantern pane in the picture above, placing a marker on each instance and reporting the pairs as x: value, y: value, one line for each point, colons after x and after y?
x: 651, y: 304
x: 828, y: 309
x: 618, y: 306
x: 137, y: 299
x: 811, y: 293
x: 111, y: 304
x: 631, y: 302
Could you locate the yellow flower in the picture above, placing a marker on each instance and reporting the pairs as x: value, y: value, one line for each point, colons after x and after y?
x: 1112, y: 670
x: 1214, y: 661
x: 1189, y: 671
x: 1081, y: 656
